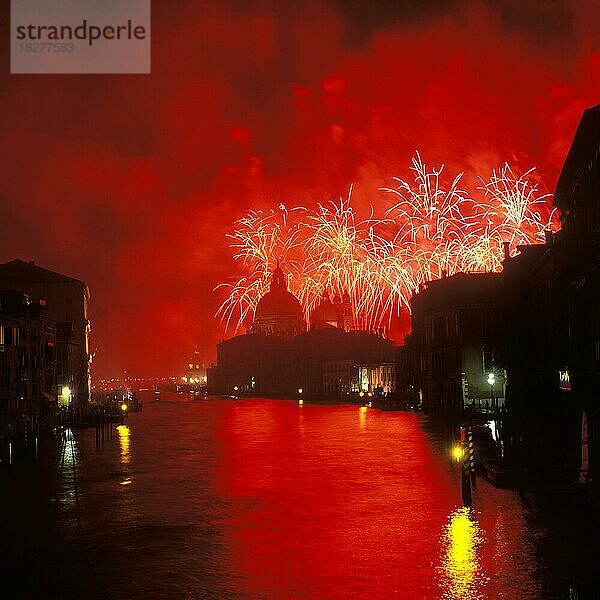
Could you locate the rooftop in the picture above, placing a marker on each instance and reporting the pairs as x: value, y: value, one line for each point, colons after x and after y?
x: 583, y: 148
x: 29, y: 272
x: 461, y: 288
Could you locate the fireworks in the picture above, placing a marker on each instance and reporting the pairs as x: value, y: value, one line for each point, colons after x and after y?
x: 432, y: 228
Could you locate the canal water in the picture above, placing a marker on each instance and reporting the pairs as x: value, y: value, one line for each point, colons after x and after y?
x: 252, y: 498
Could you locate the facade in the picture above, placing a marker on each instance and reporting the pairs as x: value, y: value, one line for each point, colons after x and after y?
x: 252, y: 364
x: 373, y: 375
x: 384, y: 377
x: 535, y: 326
x: 67, y: 301
x: 407, y: 389
x: 333, y: 363
x: 553, y: 305
x: 27, y: 355
x: 279, y: 356
x: 453, y: 347
x: 67, y: 367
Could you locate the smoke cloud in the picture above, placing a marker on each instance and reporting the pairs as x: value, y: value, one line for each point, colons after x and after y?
x: 132, y: 182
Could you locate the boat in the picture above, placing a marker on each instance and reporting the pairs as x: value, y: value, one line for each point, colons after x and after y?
x: 501, y: 474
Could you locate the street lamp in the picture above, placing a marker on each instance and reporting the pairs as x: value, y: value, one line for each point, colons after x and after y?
x: 491, y: 381
x: 300, y: 401
x: 458, y: 453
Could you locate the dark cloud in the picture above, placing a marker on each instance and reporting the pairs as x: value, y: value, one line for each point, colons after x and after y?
x: 546, y: 22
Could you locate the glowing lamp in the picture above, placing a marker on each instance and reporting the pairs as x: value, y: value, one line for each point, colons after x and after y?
x: 300, y: 390
x: 66, y: 391
x: 300, y: 402
x: 457, y: 453
x: 491, y: 379
x: 123, y: 407
x: 361, y: 394
x: 235, y: 388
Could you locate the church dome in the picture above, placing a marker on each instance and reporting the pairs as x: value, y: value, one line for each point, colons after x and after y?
x: 278, y: 302
x: 278, y: 312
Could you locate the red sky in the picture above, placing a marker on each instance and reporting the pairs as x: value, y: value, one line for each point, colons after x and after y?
x: 130, y: 182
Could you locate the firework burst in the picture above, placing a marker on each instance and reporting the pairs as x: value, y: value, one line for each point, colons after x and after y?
x: 433, y: 227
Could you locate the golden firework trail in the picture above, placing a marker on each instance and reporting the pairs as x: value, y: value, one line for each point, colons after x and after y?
x: 432, y: 228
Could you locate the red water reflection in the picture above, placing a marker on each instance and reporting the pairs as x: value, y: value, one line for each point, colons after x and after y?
x: 221, y: 498
x: 347, y: 501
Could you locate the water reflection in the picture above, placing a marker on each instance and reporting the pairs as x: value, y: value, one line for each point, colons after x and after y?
x: 362, y: 417
x: 69, y: 468
x: 123, y: 432
x: 259, y: 498
x: 301, y: 429
x: 69, y: 457
x: 461, y: 564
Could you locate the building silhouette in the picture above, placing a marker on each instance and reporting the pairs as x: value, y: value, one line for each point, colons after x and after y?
x: 67, y: 302
x: 454, y: 340
x: 552, y: 348
x: 28, y: 358
x: 279, y: 355
x: 535, y: 326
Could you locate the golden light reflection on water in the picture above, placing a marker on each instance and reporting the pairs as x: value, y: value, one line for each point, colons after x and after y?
x: 362, y: 417
x: 123, y: 432
x: 69, y: 468
x: 461, y: 567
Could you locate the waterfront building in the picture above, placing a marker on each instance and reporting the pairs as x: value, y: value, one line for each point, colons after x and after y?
x: 27, y: 355
x: 407, y: 389
x: 334, y: 363
x: 67, y: 301
x: 252, y: 364
x: 454, y: 342
x: 279, y: 356
x: 260, y: 362
x: 552, y: 350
